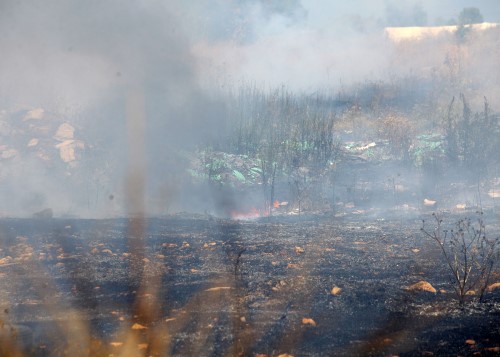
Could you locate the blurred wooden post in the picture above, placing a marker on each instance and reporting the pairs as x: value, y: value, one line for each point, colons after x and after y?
x: 135, y: 181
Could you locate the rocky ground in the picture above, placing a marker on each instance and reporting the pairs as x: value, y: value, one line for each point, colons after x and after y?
x: 200, y: 286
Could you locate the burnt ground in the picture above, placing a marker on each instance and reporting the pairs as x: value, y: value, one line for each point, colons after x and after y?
x: 217, y: 287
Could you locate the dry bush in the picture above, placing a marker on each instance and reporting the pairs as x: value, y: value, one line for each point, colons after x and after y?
x: 399, y: 132
x: 468, y: 253
x: 471, y: 139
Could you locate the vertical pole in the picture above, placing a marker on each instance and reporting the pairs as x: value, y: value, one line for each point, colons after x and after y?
x: 135, y: 183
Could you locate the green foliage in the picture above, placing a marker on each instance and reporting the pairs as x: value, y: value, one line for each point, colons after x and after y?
x: 285, y: 132
x: 239, y: 176
x: 427, y: 148
x: 468, y: 16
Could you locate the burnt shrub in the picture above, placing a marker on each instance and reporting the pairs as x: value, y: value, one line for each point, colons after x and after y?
x: 472, y: 140
x: 399, y: 132
x: 468, y: 253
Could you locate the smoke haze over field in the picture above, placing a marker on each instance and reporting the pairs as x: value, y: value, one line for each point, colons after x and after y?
x: 80, y: 61
x: 49, y: 47
x: 320, y: 43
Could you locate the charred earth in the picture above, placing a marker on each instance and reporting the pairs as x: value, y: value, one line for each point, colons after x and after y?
x: 201, y: 286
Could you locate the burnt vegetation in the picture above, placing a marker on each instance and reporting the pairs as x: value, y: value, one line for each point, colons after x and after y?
x: 302, y: 236
x: 468, y: 253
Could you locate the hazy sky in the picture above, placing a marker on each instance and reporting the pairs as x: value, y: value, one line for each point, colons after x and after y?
x: 49, y: 47
x: 321, y: 12
x: 308, y: 43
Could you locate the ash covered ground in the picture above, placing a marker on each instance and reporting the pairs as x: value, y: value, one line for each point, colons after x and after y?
x: 233, y: 110
x: 201, y: 286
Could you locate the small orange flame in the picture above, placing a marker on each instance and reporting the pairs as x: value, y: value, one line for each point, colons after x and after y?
x: 252, y: 213
x: 276, y: 204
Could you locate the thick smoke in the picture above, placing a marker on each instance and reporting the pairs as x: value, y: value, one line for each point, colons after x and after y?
x: 318, y: 43
x: 82, y: 62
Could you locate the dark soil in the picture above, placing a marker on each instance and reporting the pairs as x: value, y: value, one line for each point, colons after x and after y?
x: 199, y: 286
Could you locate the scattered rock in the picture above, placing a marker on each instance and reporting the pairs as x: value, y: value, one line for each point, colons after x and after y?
x: 219, y: 288
x: 33, y: 142
x: 169, y: 245
x: 336, y: 290
x: 64, y: 132
x: 67, y: 149
x: 429, y: 203
x: 299, y: 250
x: 494, y: 194
x: 35, y: 114
x: 6, y: 260
x: 422, y: 286
x: 493, y: 286
x: 308, y: 321
x: 137, y: 326
x: 8, y: 154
